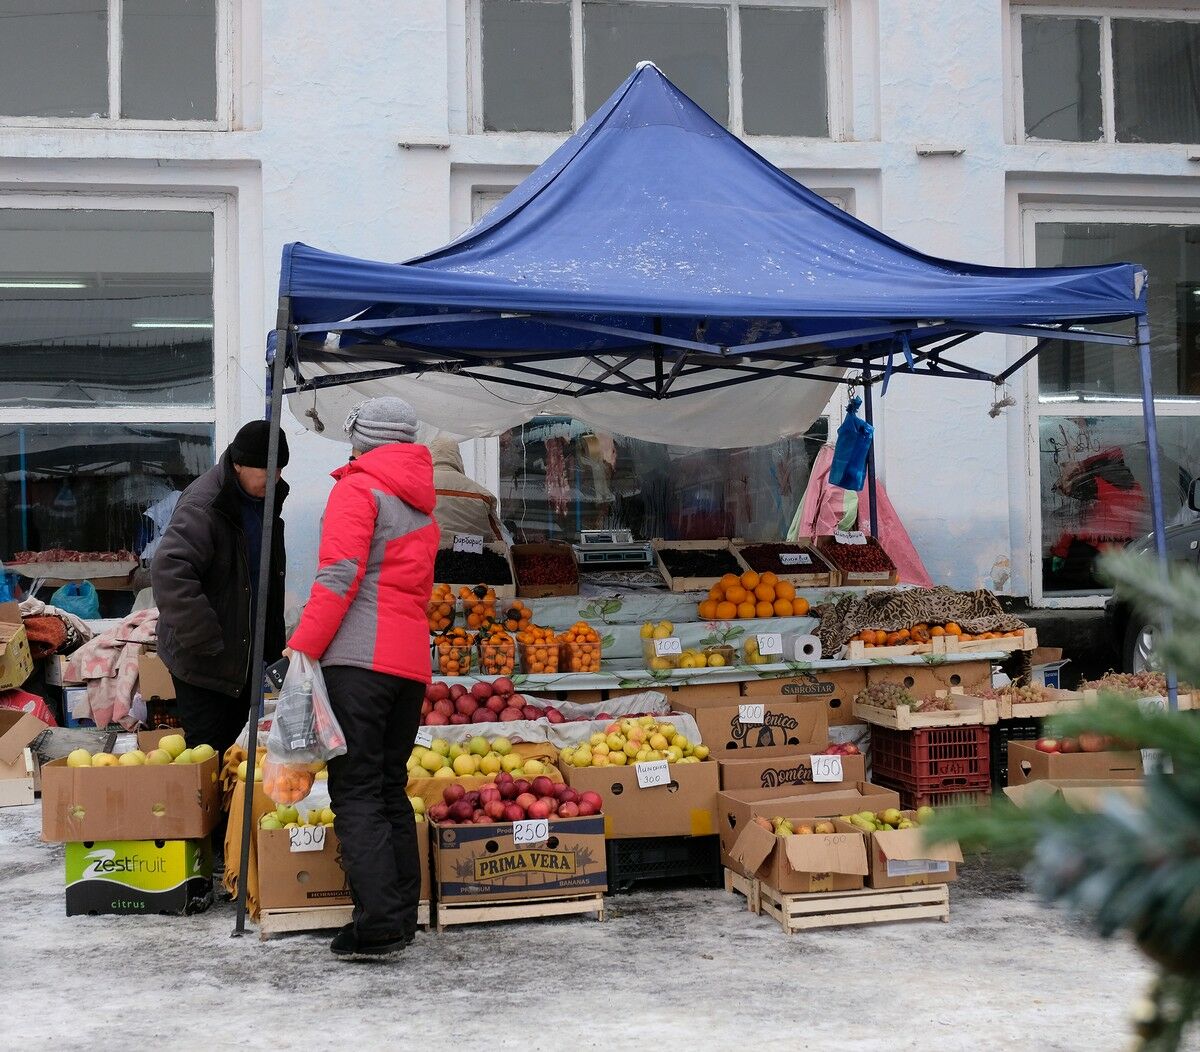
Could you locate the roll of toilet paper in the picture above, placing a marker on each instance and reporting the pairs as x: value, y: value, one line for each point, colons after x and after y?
x: 804, y: 648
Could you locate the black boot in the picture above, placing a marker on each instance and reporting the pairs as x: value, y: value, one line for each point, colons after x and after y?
x: 350, y: 945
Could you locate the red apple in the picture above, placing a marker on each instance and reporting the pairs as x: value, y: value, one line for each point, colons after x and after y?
x: 503, y: 686
x: 542, y: 786
x: 437, y: 691
x: 568, y: 796
x: 513, y: 813
x: 561, y: 789
x: 457, y: 690
x: 461, y: 811
x: 586, y: 809
x: 509, y: 715
x: 508, y: 791
x: 593, y: 798
x: 453, y: 793
x: 554, y: 716
x: 568, y: 809
x: 1046, y: 745
x: 445, y: 707
x: 516, y: 701
x: 458, y: 719
x: 436, y: 719
x: 551, y: 802
x: 466, y: 705
x: 438, y: 812
x: 850, y: 749
x: 525, y: 801
x: 482, y: 691
x: 504, y: 776
x: 495, y: 704
x: 426, y: 707
x: 539, y: 809
x: 522, y: 784
x: 495, y: 809
x: 532, y: 712
x: 1069, y: 745
x: 491, y: 791
x: 483, y: 716
x: 1090, y: 741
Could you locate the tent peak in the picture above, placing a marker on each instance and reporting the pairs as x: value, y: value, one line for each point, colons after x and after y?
x: 648, y: 64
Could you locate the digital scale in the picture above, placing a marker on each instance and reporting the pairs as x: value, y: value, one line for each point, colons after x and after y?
x: 611, y: 550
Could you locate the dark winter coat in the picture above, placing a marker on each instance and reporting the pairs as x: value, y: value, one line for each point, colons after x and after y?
x: 201, y: 580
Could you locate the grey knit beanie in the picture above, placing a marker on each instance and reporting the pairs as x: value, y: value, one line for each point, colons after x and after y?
x: 380, y: 421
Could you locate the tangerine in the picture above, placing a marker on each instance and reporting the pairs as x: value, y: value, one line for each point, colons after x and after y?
x: 726, y: 611
x: 708, y: 609
x: 736, y: 594
x: 783, y: 608
x: 750, y: 580
x: 729, y: 580
x: 785, y: 590
x: 764, y: 593
x: 799, y: 605
x: 745, y: 609
x: 768, y: 579
x: 763, y: 609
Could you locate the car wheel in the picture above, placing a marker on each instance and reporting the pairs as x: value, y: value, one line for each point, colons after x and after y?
x: 1139, y: 647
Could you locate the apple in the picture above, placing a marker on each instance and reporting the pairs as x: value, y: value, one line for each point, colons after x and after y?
x: 586, y: 809
x: 287, y: 813
x: 270, y: 821
x: 457, y: 691
x: 539, y: 809
x: 531, y: 712
x: 501, y: 746
x: 542, y: 786
x: 1069, y: 745
x: 592, y: 798
x: 104, y: 759
x: 494, y: 705
x: 511, y: 714
x: 436, y: 719
x: 516, y: 701
x: 483, y: 715
x: 495, y: 809
x: 481, y: 690
x: 459, y: 720
x: 172, y: 743
x: 513, y: 812
x: 1046, y: 745
x: 159, y: 757
x: 79, y: 758
x: 453, y: 793
x: 508, y: 791
x: 503, y: 686
x: 461, y: 811
x: 426, y: 707
x: 481, y: 818
x: 1090, y: 741
x: 445, y: 707
x: 490, y: 764
x: 203, y: 751
x: 568, y: 809
x: 466, y: 705
x: 552, y: 803
x: 525, y: 801
x: 438, y: 812
x: 133, y: 758
x: 850, y: 749
x: 437, y: 691
x: 510, y: 762
x: 554, y: 716
x: 523, y: 785
x: 489, y: 792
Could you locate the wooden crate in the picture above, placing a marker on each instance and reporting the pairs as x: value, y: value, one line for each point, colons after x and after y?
x: 692, y: 584
x: 1187, y: 702
x: 966, y: 711
x: 857, y: 650
x: 486, y: 911
x: 317, y: 918
x: 819, y: 575
x: 543, y: 591
x: 836, y: 909
x: 503, y: 591
x: 1059, y: 701
x: 1027, y: 640
x: 826, y: 545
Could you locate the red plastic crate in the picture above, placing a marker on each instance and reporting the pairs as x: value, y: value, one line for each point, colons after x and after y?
x: 972, y: 793
x: 933, y: 758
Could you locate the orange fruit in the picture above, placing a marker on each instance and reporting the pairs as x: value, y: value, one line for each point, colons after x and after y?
x: 726, y: 611
x: 736, y: 594
x: 763, y: 609
x: 800, y: 606
x: 764, y: 593
x: 749, y: 580
x: 880, y: 639
x: 708, y: 609
x: 729, y: 580
x: 952, y: 629
x: 716, y: 592
x: 769, y: 579
x: 783, y: 608
x: 785, y: 590
x: 937, y: 630
x: 745, y: 609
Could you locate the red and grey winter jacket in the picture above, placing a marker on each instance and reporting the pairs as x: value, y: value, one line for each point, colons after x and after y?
x: 368, y: 603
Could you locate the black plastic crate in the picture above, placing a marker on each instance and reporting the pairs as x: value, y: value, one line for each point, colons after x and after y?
x: 1028, y: 728
x: 677, y: 858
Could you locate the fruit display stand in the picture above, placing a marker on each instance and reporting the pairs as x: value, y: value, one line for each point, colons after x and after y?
x: 718, y: 553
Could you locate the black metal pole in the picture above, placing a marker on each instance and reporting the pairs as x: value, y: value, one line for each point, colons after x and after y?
x: 283, y: 323
x: 869, y: 416
x: 1150, y: 420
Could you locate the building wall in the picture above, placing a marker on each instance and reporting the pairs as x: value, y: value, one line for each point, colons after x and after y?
x: 354, y: 138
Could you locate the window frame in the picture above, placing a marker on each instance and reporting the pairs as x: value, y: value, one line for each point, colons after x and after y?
x: 220, y: 414
x: 834, y: 67
x: 229, y: 20
x: 1108, y: 100
x: 1116, y: 405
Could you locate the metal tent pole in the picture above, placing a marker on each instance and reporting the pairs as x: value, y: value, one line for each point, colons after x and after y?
x: 282, y: 322
x: 1156, y: 500
x: 869, y: 416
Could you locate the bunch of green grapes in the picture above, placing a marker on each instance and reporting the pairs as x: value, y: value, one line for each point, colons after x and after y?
x: 886, y: 696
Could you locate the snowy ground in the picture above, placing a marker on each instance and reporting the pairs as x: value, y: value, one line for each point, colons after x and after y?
x: 683, y: 969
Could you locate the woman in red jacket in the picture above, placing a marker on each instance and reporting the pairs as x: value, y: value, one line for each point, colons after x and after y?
x: 366, y: 623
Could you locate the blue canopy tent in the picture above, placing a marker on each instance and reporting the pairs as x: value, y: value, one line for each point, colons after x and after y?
x: 646, y: 278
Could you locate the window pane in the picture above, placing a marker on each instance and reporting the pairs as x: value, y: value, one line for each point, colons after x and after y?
x: 53, y: 58
x: 559, y: 476
x: 687, y: 43
x: 87, y: 486
x: 169, y: 60
x: 1060, y: 67
x: 1156, y: 79
x: 1171, y: 254
x: 526, y: 66
x: 783, y: 72
x: 1096, y: 489
x: 106, y: 307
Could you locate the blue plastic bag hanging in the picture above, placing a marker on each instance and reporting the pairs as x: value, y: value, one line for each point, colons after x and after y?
x: 849, y: 469
x: 78, y: 598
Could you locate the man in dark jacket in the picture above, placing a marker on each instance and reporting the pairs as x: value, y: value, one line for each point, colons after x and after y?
x: 205, y: 579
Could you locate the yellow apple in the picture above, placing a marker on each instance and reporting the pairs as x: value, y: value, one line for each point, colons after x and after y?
x: 104, y: 759
x: 158, y: 757
x: 133, y: 758
x: 173, y: 744
x: 79, y: 758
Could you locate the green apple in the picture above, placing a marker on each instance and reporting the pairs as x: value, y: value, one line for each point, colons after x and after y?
x: 478, y: 746
x: 456, y: 750
x: 242, y: 769
x: 327, y: 816
x: 187, y: 756
x: 534, y: 767
x: 440, y: 746
x: 490, y: 764
x: 133, y: 758
x: 287, y: 813
x: 510, y: 761
x: 270, y: 821
x: 202, y: 752
x: 172, y: 743
x: 158, y: 757
x: 431, y: 761
x: 502, y: 746
x: 418, y: 804
x: 79, y: 758
x: 445, y: 772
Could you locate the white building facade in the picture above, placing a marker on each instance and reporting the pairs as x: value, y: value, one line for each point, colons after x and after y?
x: 155, y: 156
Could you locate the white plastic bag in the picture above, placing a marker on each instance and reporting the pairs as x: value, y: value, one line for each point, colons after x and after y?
x: 304, y: 729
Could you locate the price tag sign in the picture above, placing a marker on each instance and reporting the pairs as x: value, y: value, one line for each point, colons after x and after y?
x: 652, y: 773
x: 666, y: 647
x: 1152, y: 704
x: 795, y: 558
x: 306, y: 838
x: 1155, y: 761
x: 468, y: 542
x: 850, y: 537
x: 770, y: 643
x: 826, y: 768
x: 530, y: 831
x: 424, y: 736
x: 750, y: 713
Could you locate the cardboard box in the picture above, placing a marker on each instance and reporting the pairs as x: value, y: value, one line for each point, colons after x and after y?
x: 290, y: 879
x: 16, y: 663
x: 778, y: 767
x: 154, y: 681
x: 1084, y: 794
x: 900, y: 859
x: 735, y: 809
x: 56, y: 672
x: 18, y: 765
x: 138, y: 876
x: 799, y: 724
x: 925, y: 680
x: 1027, y: 764
x: 481, y: 861
x: 685, y: 807
x: 835, y: 687
x: 130, y: 803
x: 803, y: 863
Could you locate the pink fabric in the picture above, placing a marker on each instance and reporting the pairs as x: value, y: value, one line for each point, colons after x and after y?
x: 109, y: 667
x: 824, y: 505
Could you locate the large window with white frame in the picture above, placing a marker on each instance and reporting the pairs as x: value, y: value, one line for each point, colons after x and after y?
x: 760, y: 67
x: 1115, y: 75
x: 112, y: 334
x: 122, y: 63
x: 1086, y: 433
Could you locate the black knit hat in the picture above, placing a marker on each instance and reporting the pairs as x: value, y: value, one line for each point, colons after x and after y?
x: 249, y: 446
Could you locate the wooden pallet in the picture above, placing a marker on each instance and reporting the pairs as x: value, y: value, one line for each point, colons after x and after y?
x: 317, y: 918
x: 835, y: 909
x: 857, y: 650
x: 692, y: 584
x: 486, y: 911
x: 1059, y: 701
x: 1187, y: 702
x: 967, y: 712
x: 1027, y: 640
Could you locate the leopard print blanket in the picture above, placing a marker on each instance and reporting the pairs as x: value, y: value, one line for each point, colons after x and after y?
x: 974, y: 612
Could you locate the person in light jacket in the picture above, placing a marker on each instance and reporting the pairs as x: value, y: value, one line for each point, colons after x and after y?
x: 366, y: 623
x: 463, y: 505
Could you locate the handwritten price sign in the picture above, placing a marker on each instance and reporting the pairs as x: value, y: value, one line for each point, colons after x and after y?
x: 751, y: 713
x: 652, y: 773
x: 306, y: 838
x: 531, y: 831
x: 666, y: 647
x: 826, y: 768
x: 468, y: 542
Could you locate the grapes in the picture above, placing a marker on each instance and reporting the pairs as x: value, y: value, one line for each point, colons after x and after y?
x: 1028, y: 694
x: 886, y: 696
x: 1134, y: 684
